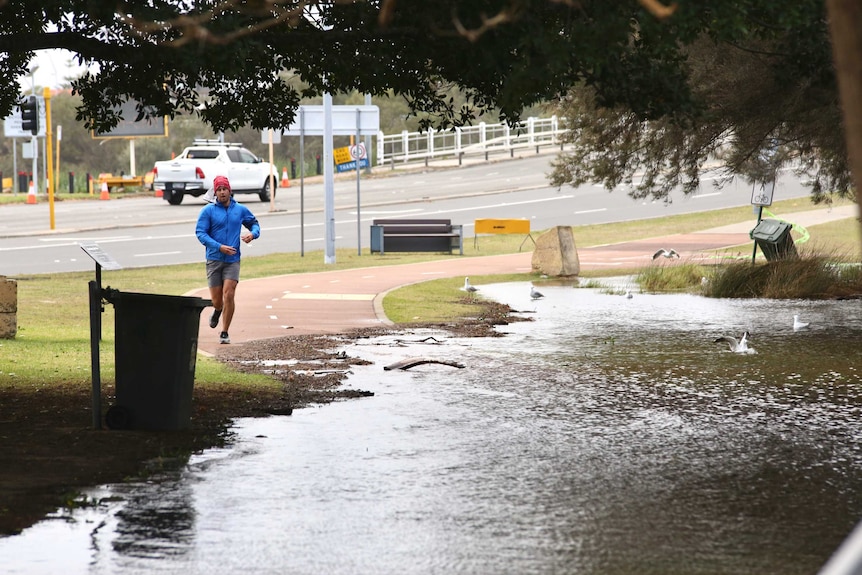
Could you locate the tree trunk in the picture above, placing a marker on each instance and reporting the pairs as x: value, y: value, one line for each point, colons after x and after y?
x: 845, y: 28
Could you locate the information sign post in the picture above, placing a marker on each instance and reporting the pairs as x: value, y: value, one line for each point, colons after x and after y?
x: 103, y: 260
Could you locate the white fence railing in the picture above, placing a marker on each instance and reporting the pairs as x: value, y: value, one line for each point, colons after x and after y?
x: 470, y: 140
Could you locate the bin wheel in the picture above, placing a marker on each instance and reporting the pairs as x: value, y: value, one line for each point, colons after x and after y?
x: 118, y: 417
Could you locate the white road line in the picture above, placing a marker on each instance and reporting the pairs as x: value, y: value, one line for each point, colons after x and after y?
x: 696, y: 196
x: 591, y: 211
x: 385, y: 212
x: 501, y: 205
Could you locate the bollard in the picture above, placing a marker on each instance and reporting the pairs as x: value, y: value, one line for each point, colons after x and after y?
x: 23, y: 182
x: 293, y: 168
x: 71, y: 182
x: 318, y: 164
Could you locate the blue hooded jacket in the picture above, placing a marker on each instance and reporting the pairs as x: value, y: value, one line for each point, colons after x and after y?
x: 219, y: 225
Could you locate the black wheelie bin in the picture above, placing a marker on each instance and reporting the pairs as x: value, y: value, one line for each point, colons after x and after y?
x: 773, y: 238
x: 155, y: 347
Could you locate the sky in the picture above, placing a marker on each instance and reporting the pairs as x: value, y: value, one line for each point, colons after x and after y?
x: 54, y: 66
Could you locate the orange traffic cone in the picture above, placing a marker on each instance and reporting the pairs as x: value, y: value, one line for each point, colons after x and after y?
x: 285, y: 183
x: 31, y: 194
x: 104, y: 194
x: 160, y: 194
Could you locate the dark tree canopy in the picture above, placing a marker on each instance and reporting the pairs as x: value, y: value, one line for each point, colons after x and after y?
x: 227, y: 60
x: 656, y: 88
x: 759, y: 93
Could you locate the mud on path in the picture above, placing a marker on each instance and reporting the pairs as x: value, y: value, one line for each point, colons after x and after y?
x: 49, y: 451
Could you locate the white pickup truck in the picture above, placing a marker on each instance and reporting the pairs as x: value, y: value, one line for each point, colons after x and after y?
x: 192, y: 172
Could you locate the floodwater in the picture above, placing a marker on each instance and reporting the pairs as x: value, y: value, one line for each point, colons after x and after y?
x: 606, y: 436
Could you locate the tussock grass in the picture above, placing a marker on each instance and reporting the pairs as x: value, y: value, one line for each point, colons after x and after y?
x: 809, y: 276
x: 672, y: 278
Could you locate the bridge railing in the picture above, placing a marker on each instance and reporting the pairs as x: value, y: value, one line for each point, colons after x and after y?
x: 469, y: 140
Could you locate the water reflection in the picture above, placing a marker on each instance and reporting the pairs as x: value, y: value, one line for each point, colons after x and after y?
x: 157, y: 519
x: 609, y: 435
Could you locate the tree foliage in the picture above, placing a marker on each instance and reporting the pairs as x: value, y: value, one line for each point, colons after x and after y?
x: 224, y: 60
x: 760, y: 93
x: 656, y: 87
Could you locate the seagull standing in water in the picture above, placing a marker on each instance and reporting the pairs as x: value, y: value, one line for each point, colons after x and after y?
x: 740, y: 346
x: 468, y: 287
x: 797, y: 325
x: 666, y: 253
x: 535, y: 294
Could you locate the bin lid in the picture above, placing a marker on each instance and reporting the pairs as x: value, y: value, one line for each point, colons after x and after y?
x: 116, y: 296
x: 771, y: 230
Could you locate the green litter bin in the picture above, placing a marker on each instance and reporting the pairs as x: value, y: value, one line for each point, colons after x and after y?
x: 155, y: 348
x: 773, y: 238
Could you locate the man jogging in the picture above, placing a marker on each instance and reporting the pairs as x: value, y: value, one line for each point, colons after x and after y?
x: 219, y: 227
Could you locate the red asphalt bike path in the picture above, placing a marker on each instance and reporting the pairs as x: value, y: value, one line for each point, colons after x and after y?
x: 333, y: 302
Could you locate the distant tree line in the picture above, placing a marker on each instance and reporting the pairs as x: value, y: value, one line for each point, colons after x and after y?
x: 81, y: 154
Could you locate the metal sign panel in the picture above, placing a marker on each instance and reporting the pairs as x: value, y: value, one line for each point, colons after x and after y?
x: 129, y: 128
x: 762, y: 196
x: 346, y: 121
x: 494, y: 226
x: 268, y: 133
x: 99, y: 256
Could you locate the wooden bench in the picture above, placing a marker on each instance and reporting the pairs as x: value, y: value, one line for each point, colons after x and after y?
x: 416, y: 236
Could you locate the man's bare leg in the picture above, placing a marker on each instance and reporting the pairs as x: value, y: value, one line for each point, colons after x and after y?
x: 227, y: 298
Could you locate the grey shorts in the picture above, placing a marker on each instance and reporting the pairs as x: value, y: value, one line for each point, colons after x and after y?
x: 218, y: 271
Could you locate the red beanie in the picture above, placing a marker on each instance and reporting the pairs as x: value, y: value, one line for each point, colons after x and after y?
x: 221, y: 182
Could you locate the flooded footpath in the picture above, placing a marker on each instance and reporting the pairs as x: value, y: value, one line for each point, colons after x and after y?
x: 609, y: 435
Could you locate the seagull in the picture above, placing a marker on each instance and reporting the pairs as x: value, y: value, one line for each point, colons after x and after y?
x: 797, y: 325
x: 665, y: 253
x: 535, y: 294
x: 740, y: 346
x: 628, y: 294
x: 468, y: 287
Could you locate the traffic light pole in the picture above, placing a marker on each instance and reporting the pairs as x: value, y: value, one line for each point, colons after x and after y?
x: 34, y: 146
x: 49, y: 156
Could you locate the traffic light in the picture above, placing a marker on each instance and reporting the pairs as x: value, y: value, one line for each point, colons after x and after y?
x: 30, y: 115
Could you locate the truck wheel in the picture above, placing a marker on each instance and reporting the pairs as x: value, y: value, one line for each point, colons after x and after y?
x: 175, y: 198
x: 264, y: 192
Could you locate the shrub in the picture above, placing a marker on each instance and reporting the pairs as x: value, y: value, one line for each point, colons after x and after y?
x: 806, y: 277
